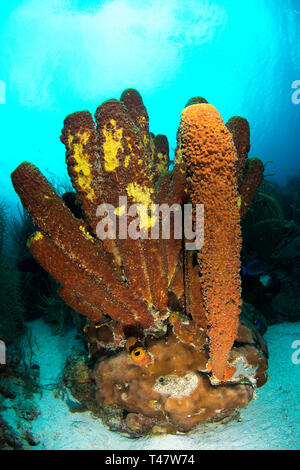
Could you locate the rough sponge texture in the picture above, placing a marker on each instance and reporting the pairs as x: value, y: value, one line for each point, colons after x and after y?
x: 210, y: 157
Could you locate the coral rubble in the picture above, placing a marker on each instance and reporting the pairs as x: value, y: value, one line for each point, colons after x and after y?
x: 167, y: 319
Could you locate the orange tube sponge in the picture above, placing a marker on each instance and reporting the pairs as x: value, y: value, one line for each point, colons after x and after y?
x: 210, y: 156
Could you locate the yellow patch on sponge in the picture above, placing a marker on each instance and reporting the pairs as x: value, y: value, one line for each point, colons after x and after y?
x: 178, y: 156
x: 162, y: 163
x: 127, y: 160
x: 142, y: 195
x: 35, y: 237
x: 83, y: 167
x: 146, y: 140
x: 86, y: 234
x: 152, y: 146
x: 120, y: 210
x: 112, y: 144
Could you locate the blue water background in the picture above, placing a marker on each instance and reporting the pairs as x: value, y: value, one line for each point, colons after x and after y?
x: 58, y: 57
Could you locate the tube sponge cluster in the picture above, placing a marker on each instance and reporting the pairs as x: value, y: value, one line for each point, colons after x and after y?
x: 168, y: 316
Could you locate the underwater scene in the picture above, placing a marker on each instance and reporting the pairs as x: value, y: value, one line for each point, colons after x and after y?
x: 150, y: 226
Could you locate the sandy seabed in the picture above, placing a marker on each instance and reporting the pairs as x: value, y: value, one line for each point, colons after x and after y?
x: 270, y: 422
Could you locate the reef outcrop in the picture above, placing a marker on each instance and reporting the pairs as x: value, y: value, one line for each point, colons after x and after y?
x: 175, y: 390
x: 168, y: 317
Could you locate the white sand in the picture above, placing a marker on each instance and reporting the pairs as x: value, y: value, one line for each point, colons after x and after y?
x: 271, y: 421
